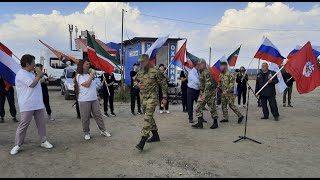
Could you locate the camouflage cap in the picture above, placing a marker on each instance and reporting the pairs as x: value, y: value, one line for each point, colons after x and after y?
x: 202, y: 61
x: 143, y: 57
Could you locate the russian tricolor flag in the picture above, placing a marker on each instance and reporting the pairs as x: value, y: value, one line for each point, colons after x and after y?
x: 152, y: 51
x: 8, y: 66
x: 269, y: 52
x: 215, y: 69
x: 316, y: 51
x: 178, y: 59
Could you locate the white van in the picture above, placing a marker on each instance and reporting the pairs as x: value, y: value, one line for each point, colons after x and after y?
x: 54, y: 67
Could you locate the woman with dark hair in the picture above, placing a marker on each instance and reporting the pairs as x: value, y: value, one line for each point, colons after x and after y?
x: 30, y: 103
x: 86, y: 93
x: 241, y: 80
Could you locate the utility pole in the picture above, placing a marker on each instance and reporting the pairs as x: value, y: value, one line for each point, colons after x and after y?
x: 70, y: 31
x: 121, y: 55
x: 210, y: 57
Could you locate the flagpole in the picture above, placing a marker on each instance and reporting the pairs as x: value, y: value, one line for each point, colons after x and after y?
x: 258, y: 66
x: 16, y: 56
x: 269, y: 79
x: 210, y: 57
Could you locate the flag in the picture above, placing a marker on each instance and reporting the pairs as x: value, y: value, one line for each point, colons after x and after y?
x: 99, y: 57
x: 269, y: 52
x: 303, y: 68
x: 152, y: 51
x: 232, y: 59
x: 282, y: 85
x: 9, y: 52
x: 191, y: 60
x: 316, y: 51
x: 178, y: 59
x: 8, y: 68
x: 215, y: 69
x: 61, y: 56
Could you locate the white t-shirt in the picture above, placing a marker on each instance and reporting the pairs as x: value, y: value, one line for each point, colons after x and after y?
x: 86, y: 93
x: 29, y: 99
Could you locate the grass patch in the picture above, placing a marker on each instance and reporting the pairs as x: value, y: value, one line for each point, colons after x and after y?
x: 122, y: 96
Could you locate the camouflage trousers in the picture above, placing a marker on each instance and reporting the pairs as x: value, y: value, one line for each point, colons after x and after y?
x: 229, y: 100
x: 148, y: 108
x: 211, y: 101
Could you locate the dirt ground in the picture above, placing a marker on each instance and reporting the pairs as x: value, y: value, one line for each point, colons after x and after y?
x: 290, y: 147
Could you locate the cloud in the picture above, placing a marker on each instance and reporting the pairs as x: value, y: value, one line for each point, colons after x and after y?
x: 260, y: 15
x: 22, y: 32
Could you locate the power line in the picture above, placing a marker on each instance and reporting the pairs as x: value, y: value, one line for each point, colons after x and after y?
x: 233, y: 27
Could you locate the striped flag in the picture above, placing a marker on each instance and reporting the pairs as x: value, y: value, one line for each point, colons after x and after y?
x: 153, y: 50
x: 8, y: 66
x: 232, y: 59
x: 100, y: 58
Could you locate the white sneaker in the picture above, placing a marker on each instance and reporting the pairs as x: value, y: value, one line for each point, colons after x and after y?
x: 161, y: 111
x: 167, y: 111
x: 105, y: 133
x: 87, y: 137
x: 47, y: 145
x: 51, y: 118
x: 15, y: 150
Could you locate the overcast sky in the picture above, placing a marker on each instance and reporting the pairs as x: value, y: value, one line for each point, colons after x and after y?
x: 228, y: 25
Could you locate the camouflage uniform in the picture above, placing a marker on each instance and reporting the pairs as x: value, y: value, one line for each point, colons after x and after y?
x: 226, y: 83
x: 207, y: 88
x: 149, y: 95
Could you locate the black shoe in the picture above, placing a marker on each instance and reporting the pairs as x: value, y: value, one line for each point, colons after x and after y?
x: 106, y: 114
x: 90, y: 115
x: 140, y: 112
x: 113, y: 114
x: 155, y: 137
x: 142, y: 142
x: 14, y: 119
x: 191, y: 121
x: 290, y: 105
x: 133, y: 113
x: 204, y: 121
x: 240, y: 119
x: 276, y: 118
x: 2, y: 120
x: 224, y: 120
x: 264, y: 118
x: 199, y: 124
x: 259, y: 105
x: 284, y: 105
x: 215, y: 124
x: 78, y: 117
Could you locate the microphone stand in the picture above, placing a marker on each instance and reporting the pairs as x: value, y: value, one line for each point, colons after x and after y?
x: 245, y: 126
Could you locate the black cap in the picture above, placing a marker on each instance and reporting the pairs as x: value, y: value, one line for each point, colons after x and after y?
x: 135, y: 64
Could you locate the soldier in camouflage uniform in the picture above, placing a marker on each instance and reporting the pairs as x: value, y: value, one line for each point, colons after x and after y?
x: 148, y: 80
x: 207, y: 96
x: 226, y: 85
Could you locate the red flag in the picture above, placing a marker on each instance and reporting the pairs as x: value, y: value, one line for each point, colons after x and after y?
x: 60, y: 55
x: 304, y: 68
x: 9, y: 52
x: 178, y: 59
x: 189, y: 64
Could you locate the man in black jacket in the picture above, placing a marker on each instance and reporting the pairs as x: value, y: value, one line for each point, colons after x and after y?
x: 108, y: 92
x: 268, y: 93
x: 288, y: 79
x: 135, y: 92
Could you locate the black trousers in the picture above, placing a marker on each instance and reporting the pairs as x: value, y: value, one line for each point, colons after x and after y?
x: 77, y: 108
x: 160, y: 99
x: 10, y: 97
x: 184, y: 99
x: 108, y: 98
x: 272, y: 103
x: 47, y: 104
x: 135, y: 95
x: 242, y: 93
x: 192, y: 95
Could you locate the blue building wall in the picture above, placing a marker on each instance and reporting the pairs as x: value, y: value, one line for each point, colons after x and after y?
x: 116, y: 46
x: 132, y: 53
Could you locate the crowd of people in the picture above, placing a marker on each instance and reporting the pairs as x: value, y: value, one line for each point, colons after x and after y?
x: 149, y: 88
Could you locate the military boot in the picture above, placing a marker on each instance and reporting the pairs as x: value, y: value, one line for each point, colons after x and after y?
x: 215, y: 124
x: 199, y: 124
x: 141, y: 143
x: 155, y: 137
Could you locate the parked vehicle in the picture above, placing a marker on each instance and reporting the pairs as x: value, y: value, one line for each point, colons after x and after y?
x: 67, y: 84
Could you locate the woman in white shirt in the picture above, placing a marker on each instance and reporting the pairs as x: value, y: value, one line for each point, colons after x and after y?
x: 88, y: 100
x: 30, y: 102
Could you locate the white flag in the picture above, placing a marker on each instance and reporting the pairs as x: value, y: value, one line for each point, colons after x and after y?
x: 282, y: 85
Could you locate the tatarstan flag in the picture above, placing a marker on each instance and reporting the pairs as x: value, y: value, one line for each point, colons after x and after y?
x: 232, y: 59
x: 100, y: 58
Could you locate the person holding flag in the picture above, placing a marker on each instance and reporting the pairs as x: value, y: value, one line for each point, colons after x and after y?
x: 269, y: 92
x: 108, y: 92
x: 289, y: 82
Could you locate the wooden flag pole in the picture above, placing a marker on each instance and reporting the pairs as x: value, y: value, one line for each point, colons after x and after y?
x: 269, y: 79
